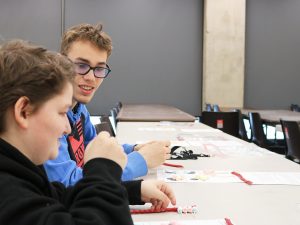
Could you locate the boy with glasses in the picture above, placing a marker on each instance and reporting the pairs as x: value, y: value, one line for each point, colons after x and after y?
x: 43, y: 88
x: 88, y: 47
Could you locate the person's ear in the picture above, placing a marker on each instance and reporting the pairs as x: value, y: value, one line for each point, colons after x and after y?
x: 22, y: 110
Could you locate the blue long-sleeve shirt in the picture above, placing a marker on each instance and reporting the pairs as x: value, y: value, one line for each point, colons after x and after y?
x: 65, y: 167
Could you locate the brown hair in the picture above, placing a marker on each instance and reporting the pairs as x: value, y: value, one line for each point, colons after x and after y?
x: 31, y: 71
x: 86, y: 32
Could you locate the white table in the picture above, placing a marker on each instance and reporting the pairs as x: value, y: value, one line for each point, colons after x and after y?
x: 243, y: 204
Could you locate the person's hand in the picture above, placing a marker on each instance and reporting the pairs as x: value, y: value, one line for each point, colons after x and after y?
x: 105, y: 146
x: 139, y: 146
x: 155, y: 152
x: 158, y: 193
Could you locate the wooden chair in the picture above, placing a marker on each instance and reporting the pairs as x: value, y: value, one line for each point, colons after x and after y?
x: 291, y: 134
x: 228, y: 122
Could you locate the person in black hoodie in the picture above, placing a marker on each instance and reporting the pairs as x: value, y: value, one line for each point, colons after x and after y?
x: 35, y: 94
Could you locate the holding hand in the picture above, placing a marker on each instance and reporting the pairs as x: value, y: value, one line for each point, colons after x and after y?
x: 155, y: 152
x: 158, y: 193
x: 105, y: 146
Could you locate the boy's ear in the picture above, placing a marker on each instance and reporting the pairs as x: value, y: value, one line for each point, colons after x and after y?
x: 22, y: 110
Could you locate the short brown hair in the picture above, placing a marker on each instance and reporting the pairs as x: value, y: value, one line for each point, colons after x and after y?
x: 86, y: 32
x: 31, y: 71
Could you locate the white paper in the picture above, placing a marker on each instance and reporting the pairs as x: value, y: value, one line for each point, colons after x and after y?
x: 280, y: 178
x: 198, y: 176
x: 185, y: 222
x: 210, y: 176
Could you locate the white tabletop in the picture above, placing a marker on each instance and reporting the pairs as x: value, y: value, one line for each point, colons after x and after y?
x: 243, y: 204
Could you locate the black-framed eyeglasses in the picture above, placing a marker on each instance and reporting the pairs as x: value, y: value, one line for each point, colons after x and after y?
x: 98, y: 71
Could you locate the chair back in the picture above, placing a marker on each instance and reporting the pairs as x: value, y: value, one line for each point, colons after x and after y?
x: 295, y: 107
x: 228, y: 122
x: 208, y: 107
x: 118, y: 106
x: 291, y: 134
x: 113, y: 114
x: 104, y: 126
x: 257, y: 131
x: 216, y: 108
x: 106, y: 119
x: 242, y: 129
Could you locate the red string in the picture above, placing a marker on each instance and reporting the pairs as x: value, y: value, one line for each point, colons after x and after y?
x: 228, y: 222
x: 173, y: 165
x: 143, y: 211
x: 242, y: 178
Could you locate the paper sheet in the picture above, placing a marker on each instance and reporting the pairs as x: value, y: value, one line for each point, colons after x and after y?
x: 210, y: 176
x: 280, y: 178
x: 186, y: 222
x: 202, y: 176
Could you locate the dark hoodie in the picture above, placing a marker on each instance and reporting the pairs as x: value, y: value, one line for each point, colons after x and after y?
x: 27, y: 198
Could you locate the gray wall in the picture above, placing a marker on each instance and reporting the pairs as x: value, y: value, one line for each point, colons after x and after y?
x: 38, y: 21
x: 272, y: 53
x: 157, y: 55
